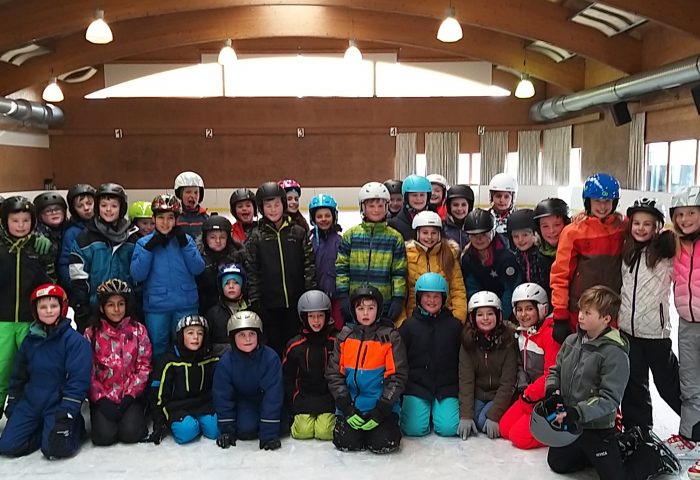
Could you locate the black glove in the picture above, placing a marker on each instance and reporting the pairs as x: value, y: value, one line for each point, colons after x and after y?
x: 126, y: 403
x: 157, y: 435
x: 380, y: 411
x: 180, y: 235
x: 561, y: 330
x: 82, y: 316
x: 345, y: 308
x: 109, y: 409
x: 273, y: 444
x: 225, y: 440
x: 553, y: 401
x: 158, y: 239
x: 62, y: 425
x: 395, y: 309
x: 345, y: 406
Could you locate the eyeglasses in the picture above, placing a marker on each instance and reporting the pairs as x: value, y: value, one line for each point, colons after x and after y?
x: 53, y: 211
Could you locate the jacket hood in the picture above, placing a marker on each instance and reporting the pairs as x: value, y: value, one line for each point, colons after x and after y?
x: 611, y: 336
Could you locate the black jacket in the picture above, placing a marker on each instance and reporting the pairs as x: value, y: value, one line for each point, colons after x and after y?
x: 279, y: 263
x: 535, y: 267
x: 403, y: 223
x: 218, y: 317
x: 432, y: 347
x: 303, y: 368
x: 208, y: 281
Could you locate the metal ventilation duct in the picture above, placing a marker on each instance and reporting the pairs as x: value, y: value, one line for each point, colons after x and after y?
x: 33, y: 113
x: 672, y: 75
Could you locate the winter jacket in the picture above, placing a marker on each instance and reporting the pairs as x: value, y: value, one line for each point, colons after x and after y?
x: 487, y: 376
x: 74, y: 227
x: 368, y: 366
x: 403, y: 223
x: 456, y: 233
x: 99, y: 253
x: 167, y: 273
x: 191, y: 222
x: 240, y: 232
x: 217, y: 317
x: 121, y: 360
x: 326, y: 246
x: 432, y: 349
x: 420, y: 261
x: 589, y: 253
x: 644, y: 312
x: 501, y: 273
x: 245, y: 382
x: 21, y: 271
x: 686, y: 288
x: 181, y: 385
x: 534, y: 266
x: 304, y: 367
x: 372, y: 254
x: 279, y: 263
x: 538, y: 352
x: 299, y: 219
x: 208, y: 285
x: 51, y: 371
x: 592, y: 375
x: 56, y: 237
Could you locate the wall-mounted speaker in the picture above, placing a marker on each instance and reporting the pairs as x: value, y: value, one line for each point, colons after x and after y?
x: 620, y: 113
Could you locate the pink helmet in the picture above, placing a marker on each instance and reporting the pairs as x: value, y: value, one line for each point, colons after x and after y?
x: 289, y: 184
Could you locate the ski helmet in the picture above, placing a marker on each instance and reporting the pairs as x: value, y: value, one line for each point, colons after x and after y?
x: 484, y: 298
x: 688, y: 197
x: 17, y: 204
x: 230, y: 271
x: 48, y: 199
x: 192, y: 321
x: 432, y: 282
x: 648, y: 205
x: 216, y: 222
x: 166, y: 203
x: 533, y: 293
x: 416, y: 184
x: 438, y: 179
x: 394, y: 186
x: 323, y: 201
x: 520, y: 220
x: 188, y: 179
x: 113, y: 286
x: 139, y: 210
x: 601, y: 186
x: 244, y: 320
x: 241, y: 195
x: 426, y: 219
x: 366, y: 291
x: 503, y: 182
x: 553, y: 206
x: 268, y: 191
x: 314, y: 301
x: 75, y: 192
x: 49, y: 290
x: 371, y: 191
x: 113, y: 190
x: 461, y: 191
x: 544, y: 428
x: 479, y: 221
x: 289, y: 184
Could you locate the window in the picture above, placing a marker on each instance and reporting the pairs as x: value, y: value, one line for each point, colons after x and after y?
x: 671, y: 166
x: 512, y: 161
x: 476, y: 169
x: 469, y: 168
x: 574, y: 167
x: 682, y: 158
x: 420, y: 164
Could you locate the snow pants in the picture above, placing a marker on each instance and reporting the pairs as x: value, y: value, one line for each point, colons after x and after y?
x: 249, y: 426
x: 655, y: 355
x: 27, y: 430
x: 190, y: 428
x: 11, y: 337
x: 161, y: 328
x: 689, y: 372
x: 130, y: 428
x: 416, y: 414
x: 319, y: 426
x: 386, y: 438
x: 515, y: 426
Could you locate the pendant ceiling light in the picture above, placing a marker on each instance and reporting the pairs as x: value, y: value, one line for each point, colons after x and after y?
x: 227, y: 55
x: 52, y: 93
x: 99, y: 32
x: 525, y: 88
x: 353, y: 54
x: 450, y: 30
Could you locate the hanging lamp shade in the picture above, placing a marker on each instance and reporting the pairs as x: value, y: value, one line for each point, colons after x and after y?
x: 450, y: 30
x: 98, y: 31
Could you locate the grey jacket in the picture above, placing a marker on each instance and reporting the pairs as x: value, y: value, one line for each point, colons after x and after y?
x: 592, y: 376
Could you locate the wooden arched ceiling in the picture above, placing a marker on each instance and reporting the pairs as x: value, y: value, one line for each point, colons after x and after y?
x: 494, y: 30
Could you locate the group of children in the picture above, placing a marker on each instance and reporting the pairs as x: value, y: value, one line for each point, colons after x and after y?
x: 430, y: 314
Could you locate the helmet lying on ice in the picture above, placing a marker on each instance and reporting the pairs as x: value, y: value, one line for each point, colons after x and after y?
x: 188, y: 179
x: 546, y: 430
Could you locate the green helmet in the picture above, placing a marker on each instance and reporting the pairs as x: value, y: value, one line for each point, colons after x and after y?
x: 140, y: 210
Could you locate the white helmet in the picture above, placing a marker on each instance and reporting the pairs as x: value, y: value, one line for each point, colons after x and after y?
x: 427, y: 219
x: 688, y: 197
x: 503, y: 182
x: 533, y: 293
x: 189, y: 179
x: 373, y: 190
x: 439, y: 179
x: 484, y: 298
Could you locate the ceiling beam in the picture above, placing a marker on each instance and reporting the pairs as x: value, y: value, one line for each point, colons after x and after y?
x: 683, y: 15
x: 532, y: 20
x: 167, y: 31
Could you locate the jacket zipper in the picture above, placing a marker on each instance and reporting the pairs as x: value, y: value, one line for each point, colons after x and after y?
x: 357, y: 364
x: 634, y: 291
x: 284, y: 276
x: 18, y: 279
x: 571, y: 383
x: 527, y: 266
x: 661, y: 315
x: 486, y: 362
x: 690, y: 290
x: 369, y: 259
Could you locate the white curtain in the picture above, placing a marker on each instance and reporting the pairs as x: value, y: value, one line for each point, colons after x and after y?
x: 556, y: 156
x: 442, y: 154
x: 405, y: 159
x: 635, y: 164
x: 494, y: 152
x: 528, y: 152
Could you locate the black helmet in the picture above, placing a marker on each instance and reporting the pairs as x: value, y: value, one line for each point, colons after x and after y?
x: 460, y: 191
x: 366, y: 291
x: 521, y: 219
x: 394, y: 186
x: 239, y: 195
x: 553, y: 206
x: 14, y: 205
x: 47, y: 199
x: 479, y: 221
x: 270, y: 190
x: 216, y: 222
x: 112, y: 190
x: 648, y: 205
x: 76, y: 191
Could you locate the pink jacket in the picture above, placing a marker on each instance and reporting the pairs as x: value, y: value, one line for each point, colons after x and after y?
x: 121, y: 360
x: 686, y: 281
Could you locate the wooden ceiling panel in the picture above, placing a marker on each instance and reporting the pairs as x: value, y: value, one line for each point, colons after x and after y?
x: 683, y: 15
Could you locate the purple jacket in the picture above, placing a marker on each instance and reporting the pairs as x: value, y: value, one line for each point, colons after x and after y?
x: 325, y: 250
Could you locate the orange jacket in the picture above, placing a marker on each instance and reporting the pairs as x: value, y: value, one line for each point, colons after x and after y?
x: 589, y: 253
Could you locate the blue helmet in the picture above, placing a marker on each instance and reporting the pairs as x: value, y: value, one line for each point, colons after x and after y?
x: 431, y: 282
x: 323, y: 200
x: 601, y: 186
x: 232, y: 271
x: 416, y: 183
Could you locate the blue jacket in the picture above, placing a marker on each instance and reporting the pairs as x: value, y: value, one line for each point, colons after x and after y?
x: 168, y: 274
x: 325, y: 247
x: 73, y: 228
x: 245, y: 382
x: 52, y: 371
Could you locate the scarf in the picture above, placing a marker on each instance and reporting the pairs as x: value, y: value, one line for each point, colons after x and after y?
x: 116, y: 234
x: 548, y: 250
x: 14, y: 245
x: 488, y: 342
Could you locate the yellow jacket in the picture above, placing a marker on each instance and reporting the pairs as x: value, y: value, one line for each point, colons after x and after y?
x: 421, y: 261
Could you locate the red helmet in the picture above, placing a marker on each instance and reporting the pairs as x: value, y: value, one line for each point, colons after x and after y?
x: 290, y: 184
x: 49, y: 290
x: 166, y: 203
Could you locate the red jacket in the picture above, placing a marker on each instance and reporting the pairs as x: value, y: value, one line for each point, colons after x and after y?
x: 538, y: 352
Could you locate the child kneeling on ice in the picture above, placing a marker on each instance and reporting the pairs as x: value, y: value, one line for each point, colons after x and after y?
x: 366, y: 376
x: 181, y: 386
x: 50, y: 380
x: 248, y: 390
x: 304, y: 366
x: 431, y: 336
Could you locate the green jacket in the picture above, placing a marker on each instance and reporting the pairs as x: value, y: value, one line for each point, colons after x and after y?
x: 592, y: 376
x: 372, y: 254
